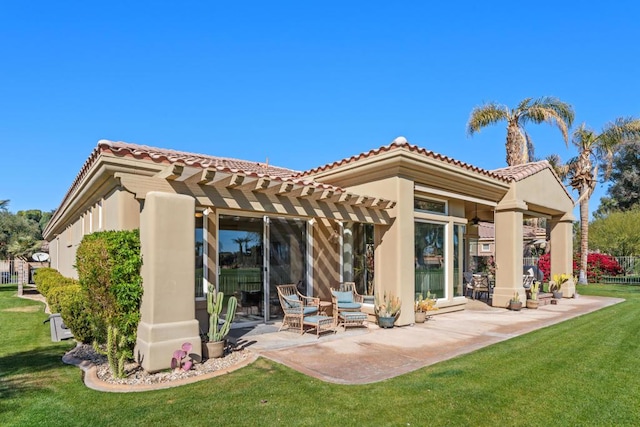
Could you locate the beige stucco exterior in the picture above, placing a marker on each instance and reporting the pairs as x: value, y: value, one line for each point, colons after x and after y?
x: 123, y: 186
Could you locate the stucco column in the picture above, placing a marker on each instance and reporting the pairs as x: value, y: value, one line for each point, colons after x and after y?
x: 167, y: 240
x: 508, y: 235
x: 562, y: 252
x: 395, y: 259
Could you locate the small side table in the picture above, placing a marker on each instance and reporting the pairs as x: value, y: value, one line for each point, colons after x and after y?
x: 322, y: 308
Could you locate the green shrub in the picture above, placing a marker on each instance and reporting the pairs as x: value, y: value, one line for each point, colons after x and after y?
x: 56, y: 293
x: 75, y: 313
x: 108, y: 265
x: 45, y: 278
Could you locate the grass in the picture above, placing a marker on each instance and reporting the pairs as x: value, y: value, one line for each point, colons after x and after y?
x: 579, y: 372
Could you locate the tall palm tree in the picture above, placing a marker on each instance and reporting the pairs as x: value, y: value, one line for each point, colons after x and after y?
x: 519, y: 145
x: 595, y: 150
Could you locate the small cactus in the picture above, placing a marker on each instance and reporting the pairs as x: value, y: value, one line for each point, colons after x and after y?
x: 214, y: 308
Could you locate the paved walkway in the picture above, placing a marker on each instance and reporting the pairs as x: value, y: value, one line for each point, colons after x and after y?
x: 366, y: 355
x: 371, y: 354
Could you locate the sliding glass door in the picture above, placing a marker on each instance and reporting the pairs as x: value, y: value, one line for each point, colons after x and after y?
x: 250, y: 273
x: 430, y: 259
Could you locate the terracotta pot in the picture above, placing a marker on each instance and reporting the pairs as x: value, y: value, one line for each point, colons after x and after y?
x: 532, y: 303
x: 421, y: 316
x: 515, y: 306
x: 212, y: 350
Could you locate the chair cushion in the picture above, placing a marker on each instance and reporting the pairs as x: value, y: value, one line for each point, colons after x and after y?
x: 309, y: 310
x: 343, y: 296
x: 315, y: 319
x: 348, y: 305
x: 292, y: 301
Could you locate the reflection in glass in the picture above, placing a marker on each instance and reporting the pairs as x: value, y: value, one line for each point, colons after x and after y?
x: 429, y: 259
x: 358, y: 256
x: 240, y: 265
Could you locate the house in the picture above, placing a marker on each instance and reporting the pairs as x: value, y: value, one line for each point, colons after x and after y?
x: 394, y: 219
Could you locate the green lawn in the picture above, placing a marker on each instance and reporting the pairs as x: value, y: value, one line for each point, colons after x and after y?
x: 581, y: 372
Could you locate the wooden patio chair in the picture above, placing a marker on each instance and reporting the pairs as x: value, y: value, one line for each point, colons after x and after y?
x: 295, y: 306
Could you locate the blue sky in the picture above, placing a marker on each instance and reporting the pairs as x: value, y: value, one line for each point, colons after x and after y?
x: 300, y: 83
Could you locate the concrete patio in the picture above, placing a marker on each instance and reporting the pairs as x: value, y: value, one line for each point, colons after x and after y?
x: 371, y: 354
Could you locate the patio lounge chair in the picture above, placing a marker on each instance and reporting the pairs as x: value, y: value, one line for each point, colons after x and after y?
x: 296, y: 306
x: 346, y: 306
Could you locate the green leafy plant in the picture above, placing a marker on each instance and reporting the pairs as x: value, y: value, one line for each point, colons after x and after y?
x: 108, y: 265
x: 214, y: 308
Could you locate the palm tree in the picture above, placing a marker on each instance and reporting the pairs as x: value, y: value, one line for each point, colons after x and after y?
x: 594, y: 150
x: 519, y: 145
x: 4, y: 205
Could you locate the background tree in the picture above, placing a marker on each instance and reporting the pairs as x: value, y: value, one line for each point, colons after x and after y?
x: 624, y: 192
x: 617, y: 234
x: 595, y: 149
x: 21, y: 233
x: 518, y: 144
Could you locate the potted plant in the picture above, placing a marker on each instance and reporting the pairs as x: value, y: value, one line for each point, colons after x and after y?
x: 555, y: 285
x: 387, y: 310
x: 423, y: 306
x: 532, y: 301
x: 214, y: 346
x: 514, y: 303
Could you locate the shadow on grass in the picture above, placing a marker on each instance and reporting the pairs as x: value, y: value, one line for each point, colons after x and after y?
x: 30, y: 370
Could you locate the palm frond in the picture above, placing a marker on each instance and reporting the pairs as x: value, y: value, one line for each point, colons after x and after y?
x: 561, y: 169
x: 562, y: 109
x: 528, y: 154
x: 486, y: 115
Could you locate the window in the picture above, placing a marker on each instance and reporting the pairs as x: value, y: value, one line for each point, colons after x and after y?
x: 486, y: 247
x: 430, y: 205
x: 199, y: 252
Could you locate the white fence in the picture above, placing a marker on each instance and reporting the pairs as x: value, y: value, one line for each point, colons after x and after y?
x: 14, y: 271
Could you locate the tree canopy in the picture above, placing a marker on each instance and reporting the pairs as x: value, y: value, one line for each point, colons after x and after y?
x: 617, y: 234
x: 518, y: 144
x: 21, y: 233
x: 624, y: 192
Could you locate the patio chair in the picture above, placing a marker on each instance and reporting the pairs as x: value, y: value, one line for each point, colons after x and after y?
x: 480, y: 286
x: 467, y: 278
x: 295, y: 306
x: 346, y: 305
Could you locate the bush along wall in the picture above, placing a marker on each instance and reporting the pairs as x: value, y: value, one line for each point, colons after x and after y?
x: 108, y: 264
x: 65, y: 296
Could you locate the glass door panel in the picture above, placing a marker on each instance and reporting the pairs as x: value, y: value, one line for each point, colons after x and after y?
x: 429, y: 259
x: 240, y: 265
x: 287, y: 258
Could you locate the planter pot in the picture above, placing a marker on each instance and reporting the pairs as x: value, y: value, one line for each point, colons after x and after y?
x: 532, y: 303
x: 557, y: 294
x: 212, y: 350
x: 515, y: 306
x: 421, y: 316
x: 386, y: 322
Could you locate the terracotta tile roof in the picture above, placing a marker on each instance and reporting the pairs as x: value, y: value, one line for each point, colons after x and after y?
x: 520, y: 172
x: 162, y: 155
x: 401, y: 143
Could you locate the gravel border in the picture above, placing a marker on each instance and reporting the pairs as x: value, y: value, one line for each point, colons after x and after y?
x: 97, y: 375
